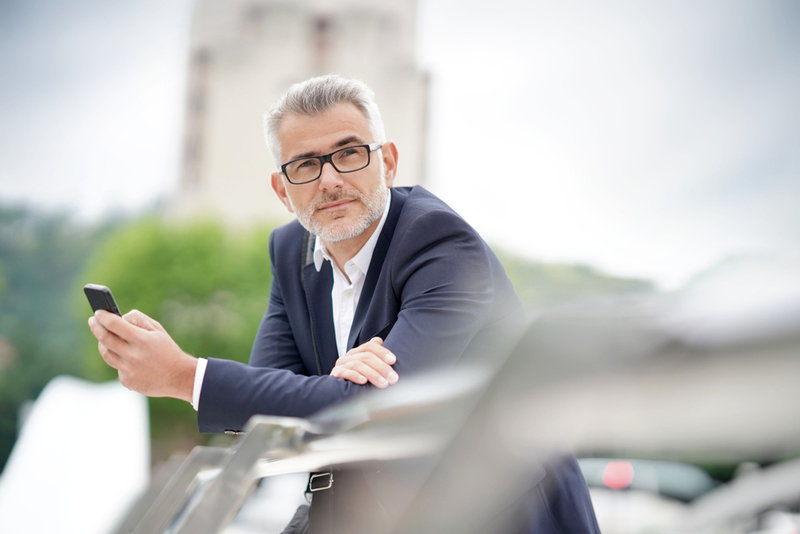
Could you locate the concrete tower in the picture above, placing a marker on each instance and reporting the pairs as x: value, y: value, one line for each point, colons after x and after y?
x: 246, y: 53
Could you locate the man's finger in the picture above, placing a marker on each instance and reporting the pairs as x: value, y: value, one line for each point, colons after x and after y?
x: 370, y: 360
x: 137, y: 318
x: 385, y: 354
x: 375, y: 378
x: 375, y: 347
x: 109, y: 356
x: 373, y: 343
x: 105, y: 336
x: 118, y: 326
x: 349, y: 374
x: 362, y: 371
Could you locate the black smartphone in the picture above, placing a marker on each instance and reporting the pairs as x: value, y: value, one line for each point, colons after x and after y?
x: 100, y: 298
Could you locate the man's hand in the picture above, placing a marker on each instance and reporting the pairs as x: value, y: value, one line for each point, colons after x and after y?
x: 369, y: 362
x: 145, y: 356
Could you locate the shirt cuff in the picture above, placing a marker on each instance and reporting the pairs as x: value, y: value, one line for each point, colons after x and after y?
x: 199, y: 374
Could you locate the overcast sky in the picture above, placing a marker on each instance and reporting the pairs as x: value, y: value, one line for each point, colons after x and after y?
x: 648, y: 139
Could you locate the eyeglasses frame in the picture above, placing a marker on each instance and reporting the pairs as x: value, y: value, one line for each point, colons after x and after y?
x: 372, y: 147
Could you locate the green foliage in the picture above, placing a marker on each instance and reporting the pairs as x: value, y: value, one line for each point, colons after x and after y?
x: 3, y: 282
x: 540, y: 285
x: 206, y: 285
x: 39, y: 257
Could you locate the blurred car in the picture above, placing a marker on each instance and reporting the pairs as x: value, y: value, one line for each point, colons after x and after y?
x: 636, y: 496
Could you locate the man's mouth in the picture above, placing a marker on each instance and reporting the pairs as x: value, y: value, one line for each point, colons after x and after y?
x: 336, y: 204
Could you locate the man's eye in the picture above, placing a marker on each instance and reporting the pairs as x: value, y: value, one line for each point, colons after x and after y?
x: 307, y: 163
x: 348, y: 152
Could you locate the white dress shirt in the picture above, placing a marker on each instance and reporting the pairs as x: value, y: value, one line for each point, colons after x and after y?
x: 344, y: 294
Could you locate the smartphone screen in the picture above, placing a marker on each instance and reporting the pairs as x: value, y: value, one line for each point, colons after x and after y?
x: 100, y: 298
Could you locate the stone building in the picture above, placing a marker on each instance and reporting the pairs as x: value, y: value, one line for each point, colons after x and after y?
x: 245, y: 53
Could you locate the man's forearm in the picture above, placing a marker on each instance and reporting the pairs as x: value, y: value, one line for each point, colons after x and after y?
x: 233, y: 392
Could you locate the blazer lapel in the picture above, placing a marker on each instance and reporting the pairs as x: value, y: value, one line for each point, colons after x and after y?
x: 375, y: 267
x: 318, y: 286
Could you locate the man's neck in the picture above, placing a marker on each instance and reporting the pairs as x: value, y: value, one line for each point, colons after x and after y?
x: 344, y: 251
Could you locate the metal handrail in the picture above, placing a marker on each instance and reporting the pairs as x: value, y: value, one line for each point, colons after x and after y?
x: 573, y: 378
x: 211, y: 485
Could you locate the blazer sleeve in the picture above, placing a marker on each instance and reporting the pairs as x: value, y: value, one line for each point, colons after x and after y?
x: 233, y: 392
x: 450, y: 286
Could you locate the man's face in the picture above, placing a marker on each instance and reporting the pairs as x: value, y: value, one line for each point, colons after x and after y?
x: 337, y: 206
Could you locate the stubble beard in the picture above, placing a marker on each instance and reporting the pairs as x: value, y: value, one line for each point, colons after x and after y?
x: 336, y: 231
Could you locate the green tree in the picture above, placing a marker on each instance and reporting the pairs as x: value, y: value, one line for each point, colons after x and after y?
x: 206, y: 285
x: 40, y: 255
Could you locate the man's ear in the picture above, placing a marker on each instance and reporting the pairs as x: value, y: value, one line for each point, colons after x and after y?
x: 280, y: 189
x: 389, y: 151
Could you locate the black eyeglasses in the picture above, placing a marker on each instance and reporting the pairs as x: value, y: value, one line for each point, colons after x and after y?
x: 344, y: 160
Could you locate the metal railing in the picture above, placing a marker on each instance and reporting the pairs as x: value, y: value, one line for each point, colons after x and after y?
x: 602, y: 380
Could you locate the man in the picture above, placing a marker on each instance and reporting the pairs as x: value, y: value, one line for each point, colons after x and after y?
x: 370, y: 284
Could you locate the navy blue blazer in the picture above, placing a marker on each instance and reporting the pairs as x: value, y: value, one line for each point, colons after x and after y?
x: 432, y: 286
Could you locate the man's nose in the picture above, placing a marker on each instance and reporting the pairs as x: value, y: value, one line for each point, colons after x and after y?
x: 329, y: 177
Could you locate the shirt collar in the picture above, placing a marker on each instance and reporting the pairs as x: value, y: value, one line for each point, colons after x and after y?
x: 364, y: 256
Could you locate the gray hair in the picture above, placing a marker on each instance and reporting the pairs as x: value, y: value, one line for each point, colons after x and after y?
x: 317, y: 95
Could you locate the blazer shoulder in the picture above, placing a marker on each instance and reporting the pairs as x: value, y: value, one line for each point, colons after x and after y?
x: 424, y: 208
x: 286, y: 241
x: 289, y: 231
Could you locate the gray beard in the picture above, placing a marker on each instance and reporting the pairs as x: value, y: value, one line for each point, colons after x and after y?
x: 334, y: 233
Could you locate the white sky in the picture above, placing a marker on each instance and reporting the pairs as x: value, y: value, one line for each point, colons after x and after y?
x: 647, y: 139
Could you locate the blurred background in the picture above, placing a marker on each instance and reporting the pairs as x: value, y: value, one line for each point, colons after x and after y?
x: 603, y: 151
